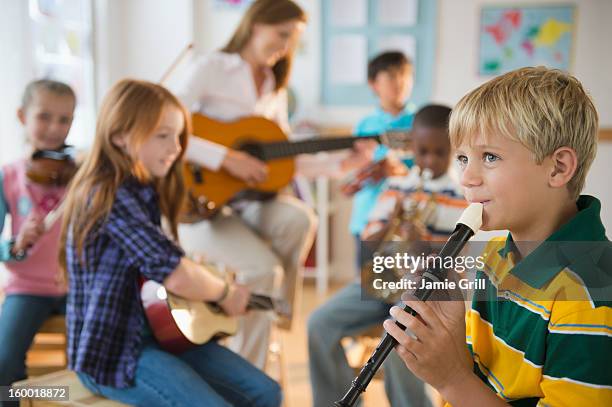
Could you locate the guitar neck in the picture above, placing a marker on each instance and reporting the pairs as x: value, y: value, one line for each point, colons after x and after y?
x: 285, y: 149
x: 265, y: 303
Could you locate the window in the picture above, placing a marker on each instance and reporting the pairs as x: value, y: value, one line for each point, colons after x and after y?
x: 356, y: 30
x: 62, y: 45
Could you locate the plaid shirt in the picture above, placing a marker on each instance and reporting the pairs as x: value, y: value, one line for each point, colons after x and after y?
x: 105, y: 317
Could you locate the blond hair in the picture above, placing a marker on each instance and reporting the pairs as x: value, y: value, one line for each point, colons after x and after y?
x: 269, y: 12
x: 543, y: 109
x: 135, y: 108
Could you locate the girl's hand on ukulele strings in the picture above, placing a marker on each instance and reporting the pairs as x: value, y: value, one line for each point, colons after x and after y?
x: 235, y: 303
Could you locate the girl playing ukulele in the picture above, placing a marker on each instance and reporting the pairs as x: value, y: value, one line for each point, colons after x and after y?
x: 113, y: 238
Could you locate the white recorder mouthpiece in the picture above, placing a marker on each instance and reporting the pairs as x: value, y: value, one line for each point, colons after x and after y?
x: 472, y: 216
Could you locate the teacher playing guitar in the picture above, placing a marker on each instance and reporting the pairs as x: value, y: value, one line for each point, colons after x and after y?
x: 265, y: 242
x: 263, y: 139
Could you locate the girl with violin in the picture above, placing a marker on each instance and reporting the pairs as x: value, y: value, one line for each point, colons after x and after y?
x: 264, y: 241
x: 29, y: 191
x: 113, y: 238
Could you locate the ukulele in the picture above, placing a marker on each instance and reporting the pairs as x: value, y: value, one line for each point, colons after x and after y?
x: 208, y: 191
x: 179, y: 324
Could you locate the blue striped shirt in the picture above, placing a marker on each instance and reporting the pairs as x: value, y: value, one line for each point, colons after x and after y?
x: 105, y: 317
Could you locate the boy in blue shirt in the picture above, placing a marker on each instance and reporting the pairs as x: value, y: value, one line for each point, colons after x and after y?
x: 390, y: 77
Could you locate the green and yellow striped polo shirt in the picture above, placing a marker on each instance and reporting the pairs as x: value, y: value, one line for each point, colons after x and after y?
x: 537, y: 335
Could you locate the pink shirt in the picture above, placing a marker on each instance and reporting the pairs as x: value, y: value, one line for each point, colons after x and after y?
x: 39, y: 273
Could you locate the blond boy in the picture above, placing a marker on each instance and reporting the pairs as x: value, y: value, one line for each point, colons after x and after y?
x: 537, y: 335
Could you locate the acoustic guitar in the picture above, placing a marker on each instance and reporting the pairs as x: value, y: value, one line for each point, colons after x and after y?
x: 208, y: 191
x: 179, y: 324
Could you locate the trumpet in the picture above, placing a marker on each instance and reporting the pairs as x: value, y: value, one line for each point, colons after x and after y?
x: 409, y: 218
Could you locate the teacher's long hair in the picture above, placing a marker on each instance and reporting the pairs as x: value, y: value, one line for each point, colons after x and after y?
x: 267, y: 12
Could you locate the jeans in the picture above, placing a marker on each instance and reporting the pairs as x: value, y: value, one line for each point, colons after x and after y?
x: 207, y: 375
x: 21, y: 316
x: 346, y: 314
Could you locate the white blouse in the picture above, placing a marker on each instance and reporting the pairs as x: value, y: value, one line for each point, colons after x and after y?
x: 221, y: 85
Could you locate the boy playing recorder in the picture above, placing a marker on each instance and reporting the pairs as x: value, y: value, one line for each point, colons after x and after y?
x: 541, y: 334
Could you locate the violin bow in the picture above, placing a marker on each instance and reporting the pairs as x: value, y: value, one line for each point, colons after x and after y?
x: 53, y: 216
x: 176, y: 62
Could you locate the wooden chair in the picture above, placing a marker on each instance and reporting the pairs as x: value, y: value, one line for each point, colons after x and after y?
x: 48, y: 351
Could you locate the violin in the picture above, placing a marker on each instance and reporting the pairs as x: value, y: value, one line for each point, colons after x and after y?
x: 51, y: 167
x: 372, y: 174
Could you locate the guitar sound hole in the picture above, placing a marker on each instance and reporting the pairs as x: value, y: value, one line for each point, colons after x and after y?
x: 254, y: 149
x: 196, y: 172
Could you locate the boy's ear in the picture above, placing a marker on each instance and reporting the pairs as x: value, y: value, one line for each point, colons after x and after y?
x: 564, y: 164
x: 21, y: 115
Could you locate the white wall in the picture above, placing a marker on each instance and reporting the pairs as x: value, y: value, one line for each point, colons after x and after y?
x: 139, y: 38
x: 14, y: 74
x: 456, y: 66
x: 598, y: 183
x: 15, y: 71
